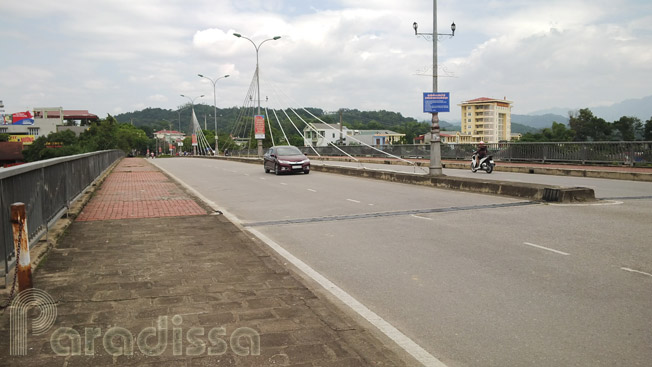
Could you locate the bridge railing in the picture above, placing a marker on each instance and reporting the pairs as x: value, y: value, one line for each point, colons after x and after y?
x: 618, y: 153
x: 47, y: 188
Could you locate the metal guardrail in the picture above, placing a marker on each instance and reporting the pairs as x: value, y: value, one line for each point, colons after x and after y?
x: 616, y: 153
x: 612, y: 153
x: 47, y: 188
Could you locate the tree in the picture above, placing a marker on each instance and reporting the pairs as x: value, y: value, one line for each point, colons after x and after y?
x: 588, y: 127
x: 4, y: 137
x: 56, y: 144
x: 647, y: 132
x: 626, y: 128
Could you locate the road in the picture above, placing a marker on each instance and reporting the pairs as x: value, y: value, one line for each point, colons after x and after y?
x: 475, y: 280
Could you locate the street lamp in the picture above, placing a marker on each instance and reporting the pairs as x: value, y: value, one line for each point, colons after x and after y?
x: 217, y: 151
x: 260, y: 142
x: 435, y: 140
x: 192, y: 106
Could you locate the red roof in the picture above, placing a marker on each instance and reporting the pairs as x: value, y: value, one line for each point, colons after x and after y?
x: 73, y: 115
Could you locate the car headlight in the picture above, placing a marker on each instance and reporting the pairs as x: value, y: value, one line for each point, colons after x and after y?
x: 284, y: 162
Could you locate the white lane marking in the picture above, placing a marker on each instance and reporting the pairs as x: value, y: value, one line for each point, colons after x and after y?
x: 283, y: 183
x: 398, y: 337
x: 416, y: 216
x: 370, y: 204
x: 546, y: 248
x: 637, y: 271
x: 311, y: 190
x: 353, y: 201
x: 246, y: 174
x: 262, y: 178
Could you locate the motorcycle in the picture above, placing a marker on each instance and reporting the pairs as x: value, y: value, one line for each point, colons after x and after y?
x: 486, y: 164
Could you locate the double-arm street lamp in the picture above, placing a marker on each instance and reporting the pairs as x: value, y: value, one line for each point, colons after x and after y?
x: 217, y: 151
x: 435, y: 140
x: 260, y: 142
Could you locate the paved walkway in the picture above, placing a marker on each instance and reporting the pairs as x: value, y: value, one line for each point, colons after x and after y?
x: 147, y: 277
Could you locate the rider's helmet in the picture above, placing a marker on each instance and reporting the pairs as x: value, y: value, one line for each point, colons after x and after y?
x: 481, y: 143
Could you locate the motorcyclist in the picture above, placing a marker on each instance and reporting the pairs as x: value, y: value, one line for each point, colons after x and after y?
x: 480, y: 153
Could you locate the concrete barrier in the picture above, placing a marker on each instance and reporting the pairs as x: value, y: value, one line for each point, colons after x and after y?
x: 530, y: 191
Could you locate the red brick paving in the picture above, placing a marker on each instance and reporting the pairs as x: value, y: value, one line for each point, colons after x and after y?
x: 136, y: 189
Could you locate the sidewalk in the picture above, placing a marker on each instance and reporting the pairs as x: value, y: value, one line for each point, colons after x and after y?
x: 147, y: 276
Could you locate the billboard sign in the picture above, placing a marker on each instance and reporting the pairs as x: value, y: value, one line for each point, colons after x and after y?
x: 259, y: 126
x: 436, y: 102
x: 194, y: 140
x: 25, y: 139
x: 21, y: 118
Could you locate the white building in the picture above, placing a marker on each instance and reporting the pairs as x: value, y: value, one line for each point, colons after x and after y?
x: 321, y: 135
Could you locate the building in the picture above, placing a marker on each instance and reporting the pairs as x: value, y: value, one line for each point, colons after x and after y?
x: 373, y: 137
x: 25, y: 127
x: 449, y: 137
x: 170, y: 136
x: 322, y: 135
x: 487, y: 119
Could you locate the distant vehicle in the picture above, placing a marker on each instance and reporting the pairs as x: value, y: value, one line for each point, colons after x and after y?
x: 285, y: 159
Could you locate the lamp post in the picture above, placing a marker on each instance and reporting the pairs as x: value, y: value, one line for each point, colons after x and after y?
x: 217, y: 151
x: 260, y: 142
x: 192, y: 106
x: 435, y: 141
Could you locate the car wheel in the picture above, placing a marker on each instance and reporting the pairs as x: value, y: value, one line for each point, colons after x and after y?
x: 306, y: 172
x: 276, y: 170
x: 266, y: 170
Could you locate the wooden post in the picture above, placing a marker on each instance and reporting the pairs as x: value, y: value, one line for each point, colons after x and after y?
x: 21, y: 243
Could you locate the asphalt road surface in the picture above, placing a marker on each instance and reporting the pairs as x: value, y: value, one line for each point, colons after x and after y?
x: 475, y: 280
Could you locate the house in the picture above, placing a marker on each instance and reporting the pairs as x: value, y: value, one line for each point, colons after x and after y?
x: 321, y: 135
x: 373, y: 137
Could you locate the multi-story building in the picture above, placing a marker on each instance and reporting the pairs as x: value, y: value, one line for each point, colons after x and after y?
x: 487, y: 119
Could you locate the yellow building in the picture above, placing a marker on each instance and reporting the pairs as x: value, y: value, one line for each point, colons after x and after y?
x: 487, y: 118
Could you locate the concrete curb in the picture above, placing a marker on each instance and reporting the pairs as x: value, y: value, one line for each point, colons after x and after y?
x: 530, y: 191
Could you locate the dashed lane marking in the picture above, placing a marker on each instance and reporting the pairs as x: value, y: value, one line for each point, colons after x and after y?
x: 546, y: 248
x: 637, y: 271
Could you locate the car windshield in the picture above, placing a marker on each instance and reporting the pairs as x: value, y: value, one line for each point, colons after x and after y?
x: 288, y: 151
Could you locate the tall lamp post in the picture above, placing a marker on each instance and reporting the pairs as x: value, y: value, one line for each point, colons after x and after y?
x: 260, y: 142
x: 435, y: 140
x: 192, y: 106
x: 217, y: 151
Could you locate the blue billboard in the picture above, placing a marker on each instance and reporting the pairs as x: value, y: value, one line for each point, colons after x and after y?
x: 436, y: 102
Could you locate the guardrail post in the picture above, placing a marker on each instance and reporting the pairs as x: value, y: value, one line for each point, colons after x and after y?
x: 21, y: 246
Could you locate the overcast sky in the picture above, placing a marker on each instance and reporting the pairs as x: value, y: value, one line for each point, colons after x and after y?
x: 115, y: 56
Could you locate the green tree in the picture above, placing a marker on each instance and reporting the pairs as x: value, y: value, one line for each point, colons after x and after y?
x: 626, y: 127
x: 130, y: 138
x: 101, y: 135
x: 588, y: 127
x: 647, y: 131
x: 4, y: 137
x: 57, y: 144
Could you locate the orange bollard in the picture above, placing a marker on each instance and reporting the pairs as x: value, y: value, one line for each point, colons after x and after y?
x: 21, y: 246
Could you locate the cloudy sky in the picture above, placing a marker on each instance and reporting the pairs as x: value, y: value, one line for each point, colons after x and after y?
x: 115, y: 56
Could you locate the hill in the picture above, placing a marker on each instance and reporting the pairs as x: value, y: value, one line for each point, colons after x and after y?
x: 641, y: 108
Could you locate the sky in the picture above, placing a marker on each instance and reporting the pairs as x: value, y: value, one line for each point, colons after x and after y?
x: 117, y: 56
